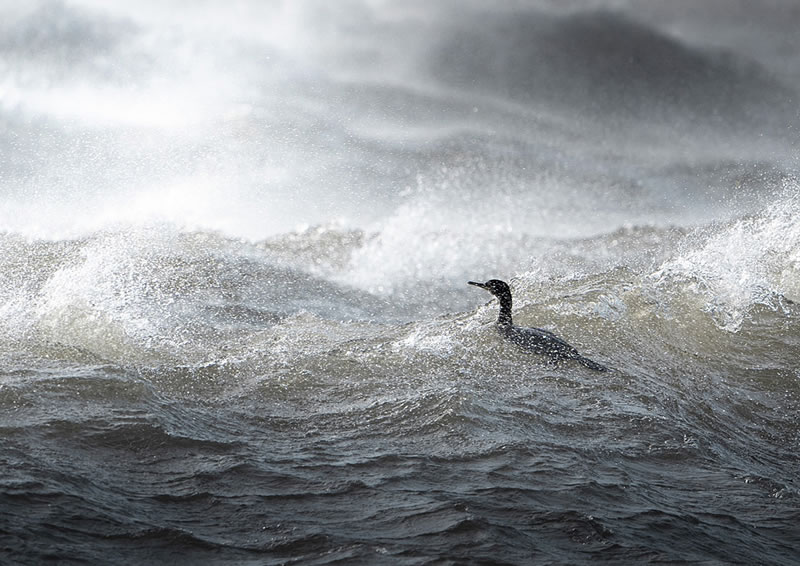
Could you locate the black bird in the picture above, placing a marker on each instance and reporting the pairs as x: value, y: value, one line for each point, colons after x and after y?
x: 533, y: 339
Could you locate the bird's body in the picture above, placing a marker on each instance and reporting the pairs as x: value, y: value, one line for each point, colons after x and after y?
x: 534, y: 340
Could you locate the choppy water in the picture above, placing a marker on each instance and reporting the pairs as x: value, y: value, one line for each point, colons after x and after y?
x: 234, y: 246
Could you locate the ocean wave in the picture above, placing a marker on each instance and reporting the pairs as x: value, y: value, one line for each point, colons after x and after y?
x: 748, y: 262
x: 234, y: 247
x: 162, y: 296
x: 605, y: 63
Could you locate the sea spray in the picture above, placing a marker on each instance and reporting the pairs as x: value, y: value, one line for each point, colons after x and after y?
x: 735, y: 266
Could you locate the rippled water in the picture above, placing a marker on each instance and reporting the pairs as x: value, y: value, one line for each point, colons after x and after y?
x: 234, y: 319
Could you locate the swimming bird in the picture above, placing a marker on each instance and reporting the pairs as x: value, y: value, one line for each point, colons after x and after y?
x: 534, y: 340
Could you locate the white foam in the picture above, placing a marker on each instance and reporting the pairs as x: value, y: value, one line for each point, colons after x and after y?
x: 752, y: 261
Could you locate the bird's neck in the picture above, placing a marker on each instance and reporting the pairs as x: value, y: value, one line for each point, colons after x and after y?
x: 504, y: 319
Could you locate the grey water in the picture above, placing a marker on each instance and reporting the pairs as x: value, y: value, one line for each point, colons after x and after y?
x: 235, y: 240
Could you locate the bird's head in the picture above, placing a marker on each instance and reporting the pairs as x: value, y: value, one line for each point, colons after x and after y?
x: 494, y: 286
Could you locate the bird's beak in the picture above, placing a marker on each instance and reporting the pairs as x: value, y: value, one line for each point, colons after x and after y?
x: 481, y: 285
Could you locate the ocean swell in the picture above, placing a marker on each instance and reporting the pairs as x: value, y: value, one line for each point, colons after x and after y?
x: 235, y: 241
x: 605, y: 63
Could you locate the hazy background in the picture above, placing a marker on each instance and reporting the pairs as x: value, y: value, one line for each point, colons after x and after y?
x: 256, y: 118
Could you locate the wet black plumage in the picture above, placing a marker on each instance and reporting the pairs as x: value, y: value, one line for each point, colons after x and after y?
x: 533, y: 339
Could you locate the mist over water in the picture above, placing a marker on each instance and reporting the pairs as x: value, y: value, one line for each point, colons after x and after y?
x: 234, y: 246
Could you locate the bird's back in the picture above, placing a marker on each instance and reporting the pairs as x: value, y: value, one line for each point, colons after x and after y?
x: 539, y: 341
